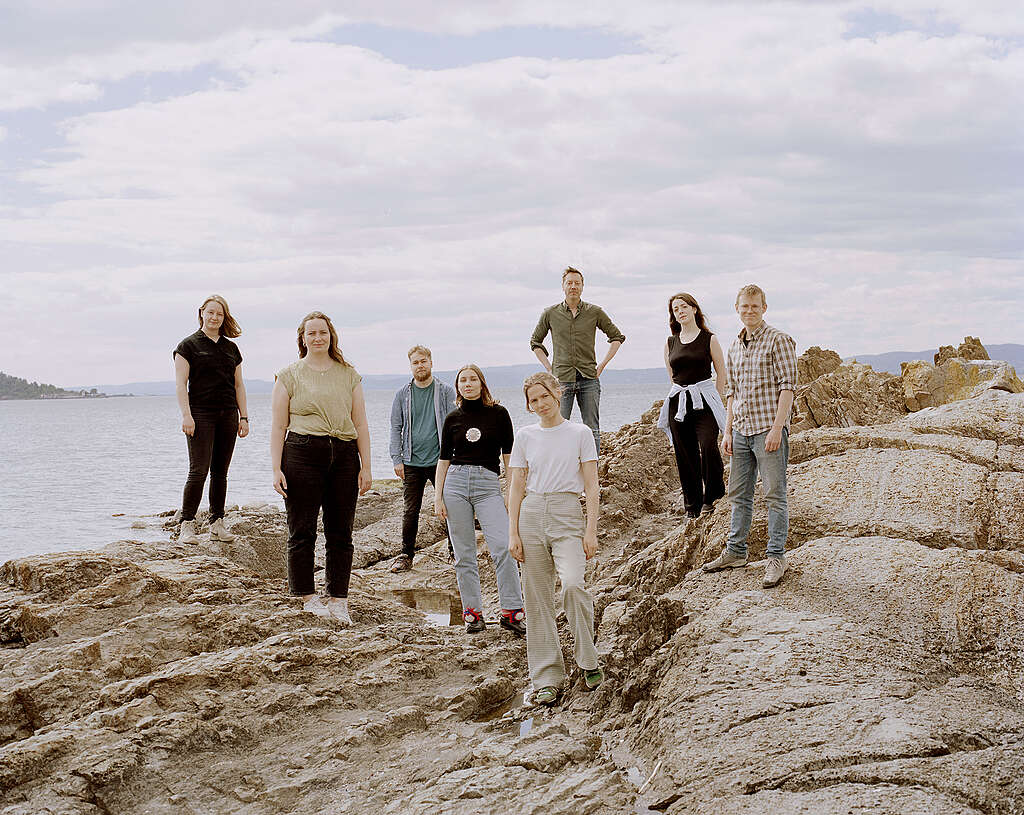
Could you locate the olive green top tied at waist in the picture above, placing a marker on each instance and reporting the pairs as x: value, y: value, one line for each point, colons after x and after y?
x: 320, y: 402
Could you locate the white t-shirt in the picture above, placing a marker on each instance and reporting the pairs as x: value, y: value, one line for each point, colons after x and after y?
x: 554, y: 456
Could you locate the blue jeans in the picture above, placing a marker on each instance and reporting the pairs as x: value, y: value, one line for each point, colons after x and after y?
x: 748, y: 458
x: 473, y: 490
x: 588, y: 395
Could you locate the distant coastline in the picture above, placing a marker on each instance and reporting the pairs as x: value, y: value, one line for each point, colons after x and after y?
x: 14, y: 387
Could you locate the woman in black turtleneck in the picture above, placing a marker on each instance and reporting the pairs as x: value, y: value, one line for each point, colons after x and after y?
x: 476, y: 436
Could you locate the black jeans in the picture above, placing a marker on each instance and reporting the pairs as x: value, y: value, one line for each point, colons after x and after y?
x: 415, y: 480
x: 209, y: 452
x: 698, y: 459
x: 321, y: 471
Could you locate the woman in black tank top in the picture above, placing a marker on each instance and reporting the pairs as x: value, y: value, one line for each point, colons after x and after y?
x: 690, y: 354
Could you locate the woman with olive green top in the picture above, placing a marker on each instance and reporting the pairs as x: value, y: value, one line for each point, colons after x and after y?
x: 323, y: 462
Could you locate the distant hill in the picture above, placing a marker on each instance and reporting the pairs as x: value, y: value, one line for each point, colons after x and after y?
x: 14, y: 387
x: 512, y: 376
x: 500, y: 376
x: 1007, y: 352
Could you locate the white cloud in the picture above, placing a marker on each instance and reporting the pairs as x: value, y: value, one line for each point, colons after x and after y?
x: 751, y: 142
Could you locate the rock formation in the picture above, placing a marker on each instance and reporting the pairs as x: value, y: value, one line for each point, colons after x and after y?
x: 815, y: 362
x: 970, y: 348
x: 851, y: 393
x: 885, y: 674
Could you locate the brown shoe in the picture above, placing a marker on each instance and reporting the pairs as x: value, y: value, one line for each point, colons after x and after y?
x: 402, y: 563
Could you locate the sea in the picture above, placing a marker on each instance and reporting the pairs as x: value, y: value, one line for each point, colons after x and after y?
x: 78, y: 473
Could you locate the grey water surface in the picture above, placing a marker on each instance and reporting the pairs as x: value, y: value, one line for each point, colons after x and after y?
x: 76, y: 473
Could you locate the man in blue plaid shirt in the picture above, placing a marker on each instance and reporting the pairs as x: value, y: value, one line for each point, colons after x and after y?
x: 762, y: 382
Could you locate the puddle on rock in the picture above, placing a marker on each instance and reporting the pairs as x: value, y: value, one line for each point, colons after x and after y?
x: 439, y: 607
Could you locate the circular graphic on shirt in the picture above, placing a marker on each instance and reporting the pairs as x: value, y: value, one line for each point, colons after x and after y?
x: 473, y: 434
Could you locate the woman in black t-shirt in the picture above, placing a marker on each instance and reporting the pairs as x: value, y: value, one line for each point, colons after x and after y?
x: 693, y: 413
x: 475, y: 437
x: 211, y: 397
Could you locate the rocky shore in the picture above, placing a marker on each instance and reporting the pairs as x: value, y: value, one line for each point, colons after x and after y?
x: 885, y: 674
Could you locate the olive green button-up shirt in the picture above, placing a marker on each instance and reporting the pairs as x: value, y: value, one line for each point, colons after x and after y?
x: 572, y: 338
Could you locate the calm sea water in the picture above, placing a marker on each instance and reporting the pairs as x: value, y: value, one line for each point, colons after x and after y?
x: 78, y: 472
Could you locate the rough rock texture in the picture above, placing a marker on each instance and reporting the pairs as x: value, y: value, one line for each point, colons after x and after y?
x: 927, y: 385
x: 851, y: 393
x: 815, y: 362
x: 970, y: 348
x: 885, y: 673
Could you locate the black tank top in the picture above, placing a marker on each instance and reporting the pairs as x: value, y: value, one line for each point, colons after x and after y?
x: 690, y: 361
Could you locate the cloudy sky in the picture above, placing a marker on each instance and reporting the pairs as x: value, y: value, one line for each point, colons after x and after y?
x: 423, y: 171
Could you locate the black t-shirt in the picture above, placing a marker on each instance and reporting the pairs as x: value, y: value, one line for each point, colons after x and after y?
x: 476, y: 433
x: 211, y: 371
x: 690, y: 361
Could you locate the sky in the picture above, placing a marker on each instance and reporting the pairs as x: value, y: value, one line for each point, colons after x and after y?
x: 422, y: 172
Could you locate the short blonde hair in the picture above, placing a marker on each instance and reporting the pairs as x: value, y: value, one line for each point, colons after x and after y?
x: 546, y: 381
x: 570, y: 270
x: 419, y: 349
x: 750, y: 290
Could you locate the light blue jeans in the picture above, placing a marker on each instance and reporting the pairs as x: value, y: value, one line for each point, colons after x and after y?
x: 588, y: 394
x: 473, y: 490
x: 748, y: 458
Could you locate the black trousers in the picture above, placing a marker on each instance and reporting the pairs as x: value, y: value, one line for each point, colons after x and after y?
x: 698, y: 458
x: 415, y: 481
x: 321, y: 471
x: 209, y: 453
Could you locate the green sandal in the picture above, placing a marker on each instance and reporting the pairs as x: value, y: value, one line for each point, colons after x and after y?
x: 546, y: 696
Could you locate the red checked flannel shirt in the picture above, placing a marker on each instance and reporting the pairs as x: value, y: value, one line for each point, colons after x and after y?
x: 758, y: 372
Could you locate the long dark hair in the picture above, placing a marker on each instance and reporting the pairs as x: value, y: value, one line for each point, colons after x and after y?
x: 333, y: 351
x: 699, y: 318
x: 485, y: 392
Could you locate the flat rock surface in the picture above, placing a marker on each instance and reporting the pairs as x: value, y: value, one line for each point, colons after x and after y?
x: 884, y: 674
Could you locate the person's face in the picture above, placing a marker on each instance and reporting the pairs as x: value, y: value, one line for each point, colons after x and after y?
x: 421, y: 366
x: 213, y: 316
x: 316, y: 335
x: 751, y: 309
x: 469, y: 384
x: 683, y: 312
x: 572, y: 285
x: 541, y: 401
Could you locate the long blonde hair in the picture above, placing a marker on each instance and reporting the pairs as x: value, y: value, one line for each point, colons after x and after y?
x: 229, y: 327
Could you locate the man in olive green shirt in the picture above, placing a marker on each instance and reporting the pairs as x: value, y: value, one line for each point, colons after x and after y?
x: 573, y: 324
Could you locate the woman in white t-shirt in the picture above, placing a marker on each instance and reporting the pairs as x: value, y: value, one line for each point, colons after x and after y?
x: 552, y: 462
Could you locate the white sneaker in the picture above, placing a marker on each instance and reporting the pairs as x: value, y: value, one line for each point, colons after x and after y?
x: 316, y: 606
x: 219, y: 533
x: 773, y: 571
x: 187, y: 534
x: 338, y: 608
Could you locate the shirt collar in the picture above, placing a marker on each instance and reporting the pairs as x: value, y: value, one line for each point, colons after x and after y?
x: 565, y: 306
x: 763, y: 327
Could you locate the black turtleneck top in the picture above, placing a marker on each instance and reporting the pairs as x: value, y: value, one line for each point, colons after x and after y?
x: 475, y: 433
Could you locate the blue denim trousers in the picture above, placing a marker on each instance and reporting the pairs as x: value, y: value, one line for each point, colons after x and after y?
x: 587, y: 393
x: 748, y: 459
x: 471, y: 490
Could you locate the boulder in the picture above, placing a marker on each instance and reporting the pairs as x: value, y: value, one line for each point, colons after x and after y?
x: 926, y: 385
x: 815, y: 362
x: 851, y: 394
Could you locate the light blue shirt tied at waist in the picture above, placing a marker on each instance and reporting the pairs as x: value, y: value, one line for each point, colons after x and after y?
x: 702, y: 394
